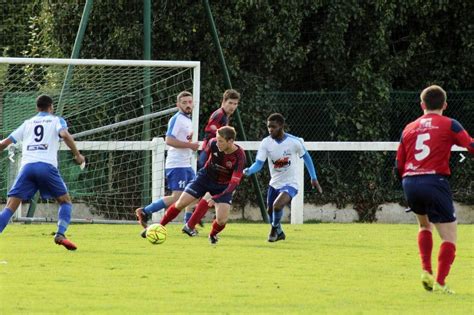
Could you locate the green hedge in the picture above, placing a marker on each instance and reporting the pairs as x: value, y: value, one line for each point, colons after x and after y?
x: 363, y: 179
x: 366, y: 48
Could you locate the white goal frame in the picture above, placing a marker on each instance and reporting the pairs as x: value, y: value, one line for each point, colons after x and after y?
x: 156, y: 146
x: 195, y: 65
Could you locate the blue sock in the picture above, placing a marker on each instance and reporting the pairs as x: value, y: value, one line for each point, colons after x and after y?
x: 277, y: 214
x: 187, y: 216
x: 155, y: 206
x: 270, y: 217
x: 64, y: 217
x: 5, y: 216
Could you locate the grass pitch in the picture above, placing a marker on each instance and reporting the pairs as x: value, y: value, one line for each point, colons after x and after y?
x: 319, y: 268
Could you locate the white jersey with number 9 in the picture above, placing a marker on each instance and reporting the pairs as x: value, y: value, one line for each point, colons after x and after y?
x: 40, y: 138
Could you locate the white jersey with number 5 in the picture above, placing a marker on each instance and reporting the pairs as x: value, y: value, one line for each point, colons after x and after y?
x: 282, y: 156
x: 40, y: 138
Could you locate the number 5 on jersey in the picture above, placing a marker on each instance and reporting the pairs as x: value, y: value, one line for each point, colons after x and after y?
x: 422, y: 147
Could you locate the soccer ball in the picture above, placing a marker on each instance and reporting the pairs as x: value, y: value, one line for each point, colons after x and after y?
x: 156, y: 233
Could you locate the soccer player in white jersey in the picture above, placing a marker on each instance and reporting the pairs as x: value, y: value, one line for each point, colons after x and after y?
x: 178, y: 162
x: 40, y: 137
x: 282, y: 150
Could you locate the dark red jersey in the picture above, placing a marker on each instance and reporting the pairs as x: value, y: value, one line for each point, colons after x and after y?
x: 425, y: 146
x: 224, y: 168
x: 218, y: 119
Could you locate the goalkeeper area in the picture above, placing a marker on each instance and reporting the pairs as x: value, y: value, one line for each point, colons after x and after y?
x: 114, y: 110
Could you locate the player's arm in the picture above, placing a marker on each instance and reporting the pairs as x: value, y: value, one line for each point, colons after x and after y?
x: 203, y: 157
x: 213, y: 123
x: 69, y: 141
x: 262, y: 155
x: 13, y: 137
x: 175, y: 143
x: 308, y: 162
x: 235, y: 179
x: 5, y: 143
x: 461, y: 137
x: 254, y: 168
x: 400, y: 160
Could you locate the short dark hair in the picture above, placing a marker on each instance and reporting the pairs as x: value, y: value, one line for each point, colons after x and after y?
x: 230, y: 94
x: 434, y: 97
x: 227, y: 132
x: 183, y: 94
x: 43, y: 102
x: 277, y: 117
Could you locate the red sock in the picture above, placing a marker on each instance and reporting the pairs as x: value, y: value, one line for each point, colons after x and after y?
x: 216, y: 228
x: 170, y: 214
x: 446, y: 255
x: 425, y: 245
x: 198, y: 214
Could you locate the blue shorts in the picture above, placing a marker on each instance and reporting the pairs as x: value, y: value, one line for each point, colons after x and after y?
x: 273, y: 193
x: 178, y: 178
x: 430, y: 195
x: 203, y: 184
x: 38, y: 176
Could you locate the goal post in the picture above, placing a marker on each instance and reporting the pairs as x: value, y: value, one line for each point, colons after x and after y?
x: 114, y: 108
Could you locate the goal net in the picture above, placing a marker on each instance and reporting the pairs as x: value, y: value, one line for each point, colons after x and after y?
x: 115, y: 109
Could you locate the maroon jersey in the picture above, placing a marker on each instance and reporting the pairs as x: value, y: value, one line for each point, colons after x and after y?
x: 224, y: 168
x: 425, y: 146
x: 218, y: 119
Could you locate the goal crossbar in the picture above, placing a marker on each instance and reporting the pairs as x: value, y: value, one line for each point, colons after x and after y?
x: 101, y: 62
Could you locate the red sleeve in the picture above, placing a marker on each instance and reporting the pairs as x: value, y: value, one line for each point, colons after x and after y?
x: 213, y: 121
x: 463, y: 139
x: 207, y: 149
x: 236, y: 175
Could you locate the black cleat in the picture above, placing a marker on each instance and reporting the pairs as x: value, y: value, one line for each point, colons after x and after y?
x: 281, y: 237
x: 274, y: 236
x: 213, y: 239
x: 143, y: 233
x: 189, y: 231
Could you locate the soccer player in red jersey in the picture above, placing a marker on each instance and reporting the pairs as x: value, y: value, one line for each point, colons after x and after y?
x: 219, y: 118
x: 219, y: 177
x: 423, y: 164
